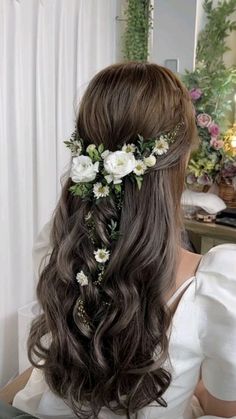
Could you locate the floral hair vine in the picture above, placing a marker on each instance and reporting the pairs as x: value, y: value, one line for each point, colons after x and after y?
x: 98, y: 173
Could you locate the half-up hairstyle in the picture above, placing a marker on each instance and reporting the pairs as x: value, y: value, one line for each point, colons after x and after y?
x: 118, y: 358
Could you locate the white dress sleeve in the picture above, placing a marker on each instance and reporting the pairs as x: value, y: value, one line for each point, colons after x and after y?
x: 216, y: 299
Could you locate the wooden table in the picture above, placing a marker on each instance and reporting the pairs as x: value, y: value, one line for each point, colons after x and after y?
x: 204, y: 236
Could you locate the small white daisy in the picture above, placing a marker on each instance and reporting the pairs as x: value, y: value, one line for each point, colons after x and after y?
x: 161, y: 146
x: 81, y: 278
x: 102, y: 255
x: 140, y: 168
x: 129, y: 148
x: 100, y: 190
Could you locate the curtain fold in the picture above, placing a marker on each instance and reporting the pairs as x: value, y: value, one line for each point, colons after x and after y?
x: 49, y: 50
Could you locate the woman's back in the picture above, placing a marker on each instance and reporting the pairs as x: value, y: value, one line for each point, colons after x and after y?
x: 194, y: 334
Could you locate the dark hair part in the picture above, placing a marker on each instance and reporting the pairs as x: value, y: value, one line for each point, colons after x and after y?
x: 117, y: 361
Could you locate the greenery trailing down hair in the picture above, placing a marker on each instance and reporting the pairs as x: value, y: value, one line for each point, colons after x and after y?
x: 119, y: 358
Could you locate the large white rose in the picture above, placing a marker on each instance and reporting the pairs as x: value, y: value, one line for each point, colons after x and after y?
x: 83, y: 169
x: 118, y: 165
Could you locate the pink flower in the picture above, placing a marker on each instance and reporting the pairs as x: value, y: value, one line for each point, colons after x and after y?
x: 191, y: 179
x: 195, y: 93
x: 204, y: 179
x: 214, y: 129
x: 216, y: 144
x: 204, y: 120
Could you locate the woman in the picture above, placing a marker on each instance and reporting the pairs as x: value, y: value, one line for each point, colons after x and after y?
x: 132, y: 320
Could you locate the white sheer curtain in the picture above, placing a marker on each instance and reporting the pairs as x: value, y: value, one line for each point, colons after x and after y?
x: 49, y: 49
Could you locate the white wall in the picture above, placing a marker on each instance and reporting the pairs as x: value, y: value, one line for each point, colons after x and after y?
x: 120, y: 25
x: 230, y: 56
x: 177, y: 24
x: 174, y: 34
x: 200, y: 17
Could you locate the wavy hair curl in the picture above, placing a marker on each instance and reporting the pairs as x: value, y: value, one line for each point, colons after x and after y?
x: 118, y: 361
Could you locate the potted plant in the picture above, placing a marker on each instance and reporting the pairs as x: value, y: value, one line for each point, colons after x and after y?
x: 204, y: 164
x: 210, y: 86
x: 227, y: 181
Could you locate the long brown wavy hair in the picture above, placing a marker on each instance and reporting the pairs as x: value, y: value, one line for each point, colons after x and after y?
x: 118, y: 361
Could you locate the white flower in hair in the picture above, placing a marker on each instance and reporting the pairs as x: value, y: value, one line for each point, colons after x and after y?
x: 82, y: 279
x: 105, y: 154
x: 88, y: 216
x: 140, y: 167
x: 129, y: 148
x: 101, y: 255
x: 83, y: 169
x: 161, y: 146
x: 100, y: 191
x: 110, y: 178
x: 91, y: 147
x: 118, y: 164
x: 150, y: 161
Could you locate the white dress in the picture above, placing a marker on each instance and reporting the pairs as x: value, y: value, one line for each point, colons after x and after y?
x: 202, y: 341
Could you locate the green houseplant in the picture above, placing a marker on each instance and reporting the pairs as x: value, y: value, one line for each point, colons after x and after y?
x: 138, y: 25
x: 210, y: 85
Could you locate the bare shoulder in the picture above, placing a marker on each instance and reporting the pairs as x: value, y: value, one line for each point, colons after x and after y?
x: 188, y: 265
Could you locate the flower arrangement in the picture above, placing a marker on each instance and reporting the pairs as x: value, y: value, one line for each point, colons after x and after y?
x: 98, y: 173
x: 228, y: 171
x: 210, y: 86
x: 205, y: 163
x: 227, y: 181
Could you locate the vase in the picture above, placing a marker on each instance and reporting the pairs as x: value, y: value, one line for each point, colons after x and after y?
x: 196, y: 187
x: 227, y: 193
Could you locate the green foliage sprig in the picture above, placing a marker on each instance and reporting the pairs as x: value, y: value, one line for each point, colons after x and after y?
x: 211, y: 42
x: 139, y: 23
